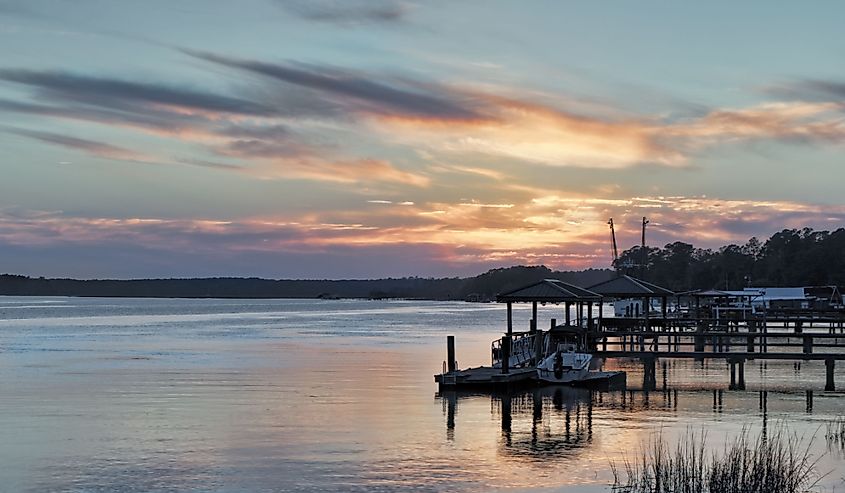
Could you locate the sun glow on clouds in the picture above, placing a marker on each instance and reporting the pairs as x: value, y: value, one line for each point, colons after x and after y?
x: 434, y: 164
x: 543, y: 135
x: 564, y: 232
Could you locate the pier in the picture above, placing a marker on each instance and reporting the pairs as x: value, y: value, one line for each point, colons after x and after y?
x: 700, y: 325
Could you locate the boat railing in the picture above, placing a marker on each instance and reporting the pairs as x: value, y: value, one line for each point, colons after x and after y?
x: 521, y: 350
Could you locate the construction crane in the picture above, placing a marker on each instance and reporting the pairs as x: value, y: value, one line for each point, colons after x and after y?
x: 645, y: 221
x: 613, y: 241
x: 644, y: 253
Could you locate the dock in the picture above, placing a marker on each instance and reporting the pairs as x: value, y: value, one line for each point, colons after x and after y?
x: 709, y: 328
x: 489, y: 378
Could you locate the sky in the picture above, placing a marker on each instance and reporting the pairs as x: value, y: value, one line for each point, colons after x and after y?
x: 389, y: 138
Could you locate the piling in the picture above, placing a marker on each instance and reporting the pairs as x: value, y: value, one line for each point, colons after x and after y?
x: 649, y: 373
x: 700, y: 339
x: 506, y: 354
x: 510, y: 318
x: 830, y: 364
x: 450, y: 353
x: 808, y: 344
x: 538, y: 346
x: 741, y: 370
x: 732, y: 386
x: 752, y: 328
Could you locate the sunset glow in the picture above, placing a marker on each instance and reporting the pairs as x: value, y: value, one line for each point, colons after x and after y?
x: 333, y: 141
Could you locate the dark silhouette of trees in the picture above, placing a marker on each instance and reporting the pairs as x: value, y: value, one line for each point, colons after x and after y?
x: 479, y: 288
x: 790, y: 257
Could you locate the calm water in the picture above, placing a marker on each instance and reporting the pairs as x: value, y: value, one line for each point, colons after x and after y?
x: 306, y: 395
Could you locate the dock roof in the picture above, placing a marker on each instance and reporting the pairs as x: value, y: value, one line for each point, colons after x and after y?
x: 548, y: 291
x: 629, y: 287
x: 717, y: 293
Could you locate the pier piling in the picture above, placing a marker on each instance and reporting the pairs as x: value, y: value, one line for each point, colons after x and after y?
x: 506, y: 354
x: 450, y: 353
x: 649, y: 373
x: 829, y: 384
x: 538, y: 346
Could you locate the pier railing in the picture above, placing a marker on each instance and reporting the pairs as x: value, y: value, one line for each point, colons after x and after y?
x: 521, y: 351
x: 784, y: 335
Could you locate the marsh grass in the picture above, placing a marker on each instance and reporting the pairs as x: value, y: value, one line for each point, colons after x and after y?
x: 775, y: 463
x: 835, y: 433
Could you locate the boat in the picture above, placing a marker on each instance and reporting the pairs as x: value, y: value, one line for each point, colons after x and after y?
x: 565, y: 358
x: 567, y: 364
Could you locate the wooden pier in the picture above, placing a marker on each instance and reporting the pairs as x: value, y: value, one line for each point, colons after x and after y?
x: 702, y: 330
x: 736, y: 347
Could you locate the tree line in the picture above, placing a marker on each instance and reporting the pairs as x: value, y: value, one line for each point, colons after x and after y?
x: 792, y: 257
x: 483, y: 287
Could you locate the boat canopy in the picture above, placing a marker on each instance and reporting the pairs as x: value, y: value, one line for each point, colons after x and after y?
x: 548, y: 291
x: 630, y: 287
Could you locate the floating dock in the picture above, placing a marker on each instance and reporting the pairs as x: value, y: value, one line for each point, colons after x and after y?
x: 489, y: 378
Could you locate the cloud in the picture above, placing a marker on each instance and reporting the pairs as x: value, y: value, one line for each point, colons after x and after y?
x: 305, y: 121
x: 347, y: 12
x: 140, y: 116
x: 359, y: 92
x: 799, y: 121
x: 832, y: 89
x: 98, y: 149
x: 543, y: 135
x: 17, y: 9
x: 546, y: 135
x: 209, y: 164
x: 562, y: 231
x: 122, y: 95
x: 811, y: 90
x: 346, y: 171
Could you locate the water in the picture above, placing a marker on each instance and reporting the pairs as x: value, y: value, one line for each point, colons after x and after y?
x: 306, y: 395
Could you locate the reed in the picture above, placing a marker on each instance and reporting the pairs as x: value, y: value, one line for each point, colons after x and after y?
x: 835, y: 433
x: 773, y: 463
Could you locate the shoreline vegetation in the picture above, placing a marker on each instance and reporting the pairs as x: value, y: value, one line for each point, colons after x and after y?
x: 778, y: 462
x: 479, y: 288
x: 791, y: 257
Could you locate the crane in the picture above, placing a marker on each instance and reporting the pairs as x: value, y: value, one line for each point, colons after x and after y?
x: 645, y: 221
x: 613, y: 241
x: 643, y: 250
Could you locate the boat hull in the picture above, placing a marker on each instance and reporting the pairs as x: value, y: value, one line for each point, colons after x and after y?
x: 564, y: 377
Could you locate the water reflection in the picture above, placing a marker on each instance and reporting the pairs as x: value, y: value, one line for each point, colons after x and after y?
x: 541, y: 424
x: 556, y: 423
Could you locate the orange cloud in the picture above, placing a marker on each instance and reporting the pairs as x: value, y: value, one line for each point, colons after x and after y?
x: 563, y: 232
x: 344, y: 171
x: 539, y: 134
x: 774, y: 120
x: 550, y: 136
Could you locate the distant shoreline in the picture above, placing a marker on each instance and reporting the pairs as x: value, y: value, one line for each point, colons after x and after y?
x: 478, y: 288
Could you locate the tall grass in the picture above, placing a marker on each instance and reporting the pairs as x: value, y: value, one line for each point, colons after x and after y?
x: 835, y: 433
x: 773, y: 463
